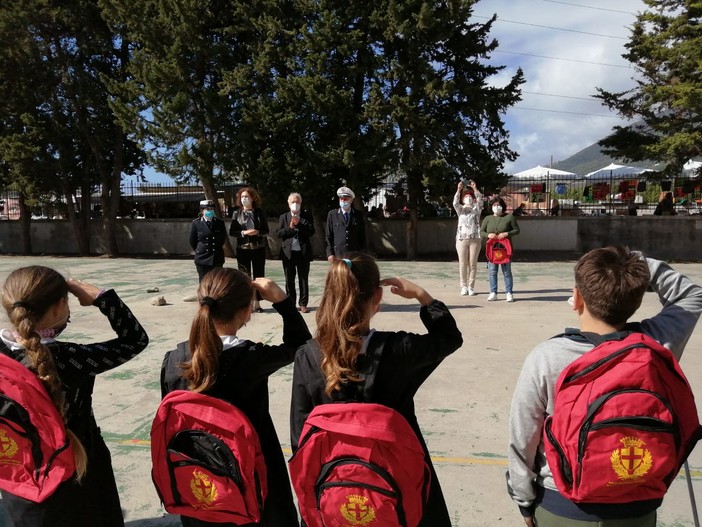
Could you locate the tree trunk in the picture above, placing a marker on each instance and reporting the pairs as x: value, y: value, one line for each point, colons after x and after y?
x: 111, y: 194
x: 83, y: 250
x: 26, y: 225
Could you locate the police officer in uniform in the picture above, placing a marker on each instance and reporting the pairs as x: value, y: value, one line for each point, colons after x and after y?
x: 207, y: 236
x: 346, y: 229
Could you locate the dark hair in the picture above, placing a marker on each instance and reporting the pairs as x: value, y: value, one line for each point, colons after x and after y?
x: 27, y: 295
x: 255, y: 197
x: 222, y: 294
x: 612, y: 282
x: 345, y: 310
x: 498, y: 199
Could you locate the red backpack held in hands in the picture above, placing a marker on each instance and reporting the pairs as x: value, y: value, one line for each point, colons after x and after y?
x: 35, y: 452
x: 207, y: 460
x: 624, y: 422
x: 498, y: 251
x: 359, y: 464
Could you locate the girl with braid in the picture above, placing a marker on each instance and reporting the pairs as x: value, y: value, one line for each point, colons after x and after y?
x: 36, y: 301
x: 218, y: 362
x: 346, y: 350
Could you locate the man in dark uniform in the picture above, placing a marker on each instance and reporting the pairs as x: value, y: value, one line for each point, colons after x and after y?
x: 207, y: 236
x: 346, y: 228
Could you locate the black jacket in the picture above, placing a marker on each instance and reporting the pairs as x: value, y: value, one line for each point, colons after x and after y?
x: 304, y: 230
x: 406, y: 361
x: 207, y: 241
x: 239, y: 224
x: 95, y: 501
x: 242, y: 380
x: 342, y: 237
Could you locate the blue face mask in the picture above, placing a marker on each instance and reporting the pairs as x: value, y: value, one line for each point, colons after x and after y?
x: 209, y: 214
x: 346, y: 205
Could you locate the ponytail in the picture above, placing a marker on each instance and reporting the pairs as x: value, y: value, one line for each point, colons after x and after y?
x: 223, y: 293
x: 28, y: 294
x: 343, y: 317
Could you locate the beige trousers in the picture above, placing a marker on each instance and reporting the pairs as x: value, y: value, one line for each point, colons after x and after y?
x: 468, y: 251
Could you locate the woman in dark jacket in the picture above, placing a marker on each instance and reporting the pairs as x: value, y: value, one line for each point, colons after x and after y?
x: 36, y: 301
x: 326, y: 368
x: 217, y: 362
x: 249, y: 227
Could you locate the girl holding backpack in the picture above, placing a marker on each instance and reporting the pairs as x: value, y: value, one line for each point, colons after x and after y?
x: 217, y: 362
x: 499, y: 226
x: 347, y: 354
x: 36, y: 301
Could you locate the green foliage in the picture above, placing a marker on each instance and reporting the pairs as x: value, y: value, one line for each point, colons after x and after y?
x: 666, y: 49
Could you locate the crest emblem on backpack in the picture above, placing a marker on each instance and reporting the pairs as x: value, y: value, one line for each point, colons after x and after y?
x: 356, y: 512
x: 8, y: 447
x: 632, y: 461
x: 204, y: 489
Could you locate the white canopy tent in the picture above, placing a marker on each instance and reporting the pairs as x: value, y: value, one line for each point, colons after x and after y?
x: 692, y: 165
x: 616, y: 172
x: 539, y: 172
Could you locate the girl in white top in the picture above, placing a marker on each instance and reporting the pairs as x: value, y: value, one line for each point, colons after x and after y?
x: 468, y: 202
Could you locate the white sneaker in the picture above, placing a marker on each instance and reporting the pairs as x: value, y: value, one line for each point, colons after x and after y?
x: 464, y: 291
x: 491, y: 297
x: 510, y: 298
x: 471, y: 292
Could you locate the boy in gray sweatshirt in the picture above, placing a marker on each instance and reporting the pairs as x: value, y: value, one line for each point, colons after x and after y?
x: 609, y: 287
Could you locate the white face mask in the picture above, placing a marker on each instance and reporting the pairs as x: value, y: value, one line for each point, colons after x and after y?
x: 497, y: 210
x: 246, y: 202
x: 294, y: 207
x: 346, y: 205
x: 467, y: 200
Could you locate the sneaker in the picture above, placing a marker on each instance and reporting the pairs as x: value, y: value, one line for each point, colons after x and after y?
x: 510, y: 298
x: 471, y: 292
x: 491, y: 297
x: 464, y: 291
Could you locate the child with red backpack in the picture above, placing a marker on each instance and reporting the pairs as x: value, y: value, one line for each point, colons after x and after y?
x: 218, y: 363
x: 64, y: 473
x: 607, y: 403
x: 351, y: 364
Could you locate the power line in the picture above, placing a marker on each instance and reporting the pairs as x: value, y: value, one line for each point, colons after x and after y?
x: 552, y: 27
x: 591, y: 7
x: 560, y: 58
x: 590, y: 99
x: 563, y: 111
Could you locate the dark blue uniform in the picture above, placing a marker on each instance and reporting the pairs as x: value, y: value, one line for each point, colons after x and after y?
x: 207, y: 240
x: 345, y: 235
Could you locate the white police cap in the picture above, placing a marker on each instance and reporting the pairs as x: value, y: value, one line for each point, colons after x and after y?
x: 206, y: 203
x: 345, y: 192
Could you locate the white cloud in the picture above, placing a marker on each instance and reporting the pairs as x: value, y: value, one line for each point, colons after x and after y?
x: 543, y: 125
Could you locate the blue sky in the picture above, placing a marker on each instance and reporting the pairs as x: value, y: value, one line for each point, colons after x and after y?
x: 566, y: 48
x: 584, y: 41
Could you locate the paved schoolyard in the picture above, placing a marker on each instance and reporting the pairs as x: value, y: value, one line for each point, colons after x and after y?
x: 463, y: 407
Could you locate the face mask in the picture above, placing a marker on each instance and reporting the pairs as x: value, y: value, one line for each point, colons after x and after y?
x: 294, y: 207
x: 52, y: 333
x: 497, y: 209
x: 346, y: 205
x: 467, y: 200
x: 209, y: 214
x: 246, y: 202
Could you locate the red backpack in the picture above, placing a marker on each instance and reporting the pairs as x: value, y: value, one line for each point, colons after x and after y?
x: 624, y: 422
x: 498, y: 251
x: 359, y: 464
x: 207, y: 460
x: 35, y: 452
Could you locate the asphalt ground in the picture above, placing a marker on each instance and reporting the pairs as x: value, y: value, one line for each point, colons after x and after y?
x: 463, y: 407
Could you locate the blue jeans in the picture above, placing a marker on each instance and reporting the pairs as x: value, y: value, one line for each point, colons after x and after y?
x: 506, y: 272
